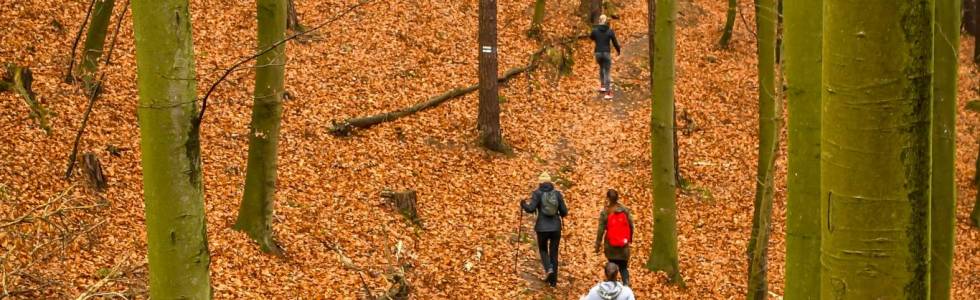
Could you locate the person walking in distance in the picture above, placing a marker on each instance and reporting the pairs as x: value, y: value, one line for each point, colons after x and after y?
x: 615, y: 233
x: 603, y: 36
x: 549, y: 204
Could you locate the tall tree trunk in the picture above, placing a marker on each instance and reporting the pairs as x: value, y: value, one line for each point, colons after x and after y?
x: 803, y: 47
x: 171, y: 151
x: 595, y: 10
x: 94, y: 43
x: 976, y: 29
x: 726, y: 34
x: 875, y: 171
x: 488, y: 120
x: 967, y: 16
x: 765, y: 12
x: 255, y: 214
x: 663, y: 254
x: 537, y: 18
x: 292, y: 18
x: 975, y: 216
x: 947, y: 41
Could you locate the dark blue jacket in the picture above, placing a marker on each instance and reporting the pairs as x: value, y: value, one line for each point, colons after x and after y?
x: 546, y: 223
x: 603, y: 36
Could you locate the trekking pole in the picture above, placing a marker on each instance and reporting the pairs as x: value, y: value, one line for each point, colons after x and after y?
x: 517, y: 248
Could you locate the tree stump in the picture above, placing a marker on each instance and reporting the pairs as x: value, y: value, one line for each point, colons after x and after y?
x: 405, y: 202
x: 93, y: 171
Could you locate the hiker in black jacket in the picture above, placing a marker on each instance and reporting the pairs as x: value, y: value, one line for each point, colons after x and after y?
x: 603, y: 35
x: 550, y: 207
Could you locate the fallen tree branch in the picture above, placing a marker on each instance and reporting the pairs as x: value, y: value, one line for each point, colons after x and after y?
x: 94, y: 94
x: 347, y: 126
x: 98, y: 285
x: 28, y: 216
x: 234, y: 67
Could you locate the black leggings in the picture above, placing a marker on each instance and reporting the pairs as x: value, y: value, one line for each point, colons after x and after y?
x: 548, y: 248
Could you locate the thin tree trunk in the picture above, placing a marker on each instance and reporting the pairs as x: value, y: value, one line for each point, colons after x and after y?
x: 595, y: 10
x: 975, y: 216
x: 256, y: 212
x: 292, y: 18
x: 94, y: 44
x: 171, y: 152
x: 976, y: 28
x: 663, y: 254
x: 488, y: 119
x: 726, y: 34
x: 803, y: 46
x: 947, y: 40
x: 766, y: 20
x: 875, y: 171
x: 537, y: 18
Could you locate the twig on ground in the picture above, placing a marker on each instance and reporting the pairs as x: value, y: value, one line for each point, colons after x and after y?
x: 98, y: 285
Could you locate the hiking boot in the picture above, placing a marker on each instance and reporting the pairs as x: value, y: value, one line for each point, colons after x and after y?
x: 552, y: 278
x: 603, y: 89
x: 608, y: 96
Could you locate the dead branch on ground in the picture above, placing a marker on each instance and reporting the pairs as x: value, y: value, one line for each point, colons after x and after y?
x: 347, y: 126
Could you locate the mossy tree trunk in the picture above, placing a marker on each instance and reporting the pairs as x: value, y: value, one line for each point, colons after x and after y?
x: 726, y: 33
x: 947, y: 40
x: 488, y: 118
x: 765, y: 12
x: 256, y: 212
x: 663, y: 254
x: 171, y: 152
x: 537, y: 18
x: 94, y: 43
x: 802, y: 65
x: 875, y: 167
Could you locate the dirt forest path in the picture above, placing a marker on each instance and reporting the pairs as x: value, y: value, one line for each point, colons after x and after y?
x: 590, y: 149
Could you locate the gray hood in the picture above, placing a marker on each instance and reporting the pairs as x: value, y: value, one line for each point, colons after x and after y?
x: 609, y: 290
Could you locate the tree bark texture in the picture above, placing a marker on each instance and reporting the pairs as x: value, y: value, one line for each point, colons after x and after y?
x: 726, y: 33
x: 292, y: 18
x: 975, y: 215
x: 537, y: 18
x: 766, y: 20
x: 94, y: 43
x: 976, y: 26
x: 488, y: 118
x: 947, y: 40
x: 875, y: 168
x: 663, y: 254
x: 256, y: 212
x: 171, y: 152
x: 802, y: 64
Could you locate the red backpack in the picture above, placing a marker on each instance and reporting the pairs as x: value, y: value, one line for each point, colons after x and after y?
x: 618, y: 229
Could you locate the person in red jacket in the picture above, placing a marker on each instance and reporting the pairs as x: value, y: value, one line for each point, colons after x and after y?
x: 617, y: 251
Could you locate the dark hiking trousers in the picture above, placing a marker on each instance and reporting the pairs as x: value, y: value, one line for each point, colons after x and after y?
x: 548, y: 248
x: 624, y: 271
x: 605, y: 64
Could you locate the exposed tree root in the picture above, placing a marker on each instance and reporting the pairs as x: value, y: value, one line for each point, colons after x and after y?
x: 19, y: 79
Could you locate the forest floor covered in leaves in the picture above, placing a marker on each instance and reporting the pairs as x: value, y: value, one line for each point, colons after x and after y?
x: 339, y: 236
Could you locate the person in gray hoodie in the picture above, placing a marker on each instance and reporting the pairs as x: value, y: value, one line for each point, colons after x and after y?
x: 610, y: 289
x: 549, y: 204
